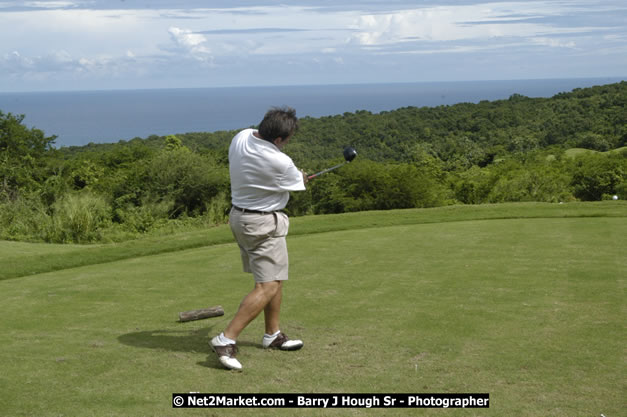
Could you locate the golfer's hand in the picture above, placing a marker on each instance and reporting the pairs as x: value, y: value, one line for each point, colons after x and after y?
x: 305, y: 178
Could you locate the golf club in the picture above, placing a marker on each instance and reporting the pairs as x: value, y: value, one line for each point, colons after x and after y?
x: 349, y: 154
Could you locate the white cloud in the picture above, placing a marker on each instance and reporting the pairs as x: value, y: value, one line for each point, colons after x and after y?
x: 438, y: 50
x: 15, y: 62
x: 61, y: 64
x: 49, y: 4
x: 187, y: 38
x: 554, y: 43
x: 191, y: 43
x: 37, y: 4
x: 463, y: 23
x: 62, y: 38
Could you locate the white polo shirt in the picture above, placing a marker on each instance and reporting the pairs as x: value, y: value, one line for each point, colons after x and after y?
x: 261, y: 175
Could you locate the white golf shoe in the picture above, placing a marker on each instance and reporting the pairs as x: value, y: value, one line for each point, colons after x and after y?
x: 281, y: 341
x: 226, y: 354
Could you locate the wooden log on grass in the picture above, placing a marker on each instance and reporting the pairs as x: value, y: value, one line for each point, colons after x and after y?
x: 203, y: 313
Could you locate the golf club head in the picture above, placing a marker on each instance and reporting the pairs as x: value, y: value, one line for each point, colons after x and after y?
x: 349, y: 153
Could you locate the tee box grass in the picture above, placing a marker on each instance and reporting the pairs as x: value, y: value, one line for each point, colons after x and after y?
x: 524, y: 302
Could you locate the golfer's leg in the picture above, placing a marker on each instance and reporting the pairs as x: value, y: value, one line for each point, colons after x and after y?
x: 272, y: 311
x: 250, y: 307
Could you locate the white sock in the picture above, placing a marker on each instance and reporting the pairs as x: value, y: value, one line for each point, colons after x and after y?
x: 225, y: 340
x: 271, y: 337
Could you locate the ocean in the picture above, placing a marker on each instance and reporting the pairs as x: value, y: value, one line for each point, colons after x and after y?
x: 78, y: 118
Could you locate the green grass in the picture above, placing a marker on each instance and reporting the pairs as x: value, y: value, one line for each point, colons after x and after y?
x: 23, y: 259
x: 574, y: 152
x: 525, y: 302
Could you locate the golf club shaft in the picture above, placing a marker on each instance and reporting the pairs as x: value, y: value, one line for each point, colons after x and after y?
x: 327, y: 170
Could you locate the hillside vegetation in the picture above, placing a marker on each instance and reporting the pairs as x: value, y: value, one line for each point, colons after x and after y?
x: 515, y: 150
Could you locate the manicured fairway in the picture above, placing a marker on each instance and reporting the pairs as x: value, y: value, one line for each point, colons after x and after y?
x: 531, y: 311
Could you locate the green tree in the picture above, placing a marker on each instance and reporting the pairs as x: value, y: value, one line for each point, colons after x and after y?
x: 188, y: 179
x: 596, y: 175
x: 173, y: 143
x: 473, y: 186
x: 594, y: 141
x: 22, y: 151
x: 367, y: 185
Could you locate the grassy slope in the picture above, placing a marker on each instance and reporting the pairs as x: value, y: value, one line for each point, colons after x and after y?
x: 530, y: 310
x: 573, y: 152
x: 22, y: 259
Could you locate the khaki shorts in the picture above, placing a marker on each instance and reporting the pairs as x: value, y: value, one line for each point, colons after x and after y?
x: 261, y: 240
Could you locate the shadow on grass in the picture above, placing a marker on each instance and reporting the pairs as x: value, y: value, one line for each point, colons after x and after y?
x: 187, y: 341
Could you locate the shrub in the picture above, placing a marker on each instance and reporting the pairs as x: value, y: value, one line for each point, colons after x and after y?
x: 140, y: 219
x: 367, y: 185
x: 597, y: 174
x: 24, y: 218
x: 190, y: 180
x: 532, y: 182
x: 217, y: 210
x: 79, y: 218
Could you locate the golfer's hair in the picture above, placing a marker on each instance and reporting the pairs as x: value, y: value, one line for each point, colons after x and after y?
x: 278, y: 123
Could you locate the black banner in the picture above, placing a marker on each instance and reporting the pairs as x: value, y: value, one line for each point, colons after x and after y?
x: 200, y: 400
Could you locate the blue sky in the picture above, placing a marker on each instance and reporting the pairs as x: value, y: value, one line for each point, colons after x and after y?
x: 121, y: 44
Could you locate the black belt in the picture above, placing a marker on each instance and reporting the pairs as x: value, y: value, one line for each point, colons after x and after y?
x: 243, y: 210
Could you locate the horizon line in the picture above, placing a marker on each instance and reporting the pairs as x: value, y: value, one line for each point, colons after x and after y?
x: 618, y: 77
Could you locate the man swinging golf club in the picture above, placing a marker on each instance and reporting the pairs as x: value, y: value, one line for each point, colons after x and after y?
x: 261, y: 178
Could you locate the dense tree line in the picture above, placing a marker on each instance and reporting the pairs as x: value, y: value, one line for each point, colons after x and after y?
x: 520, y: 149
